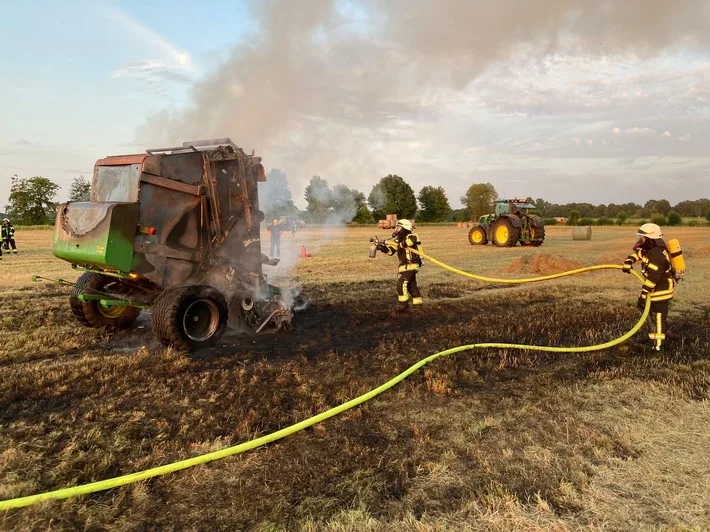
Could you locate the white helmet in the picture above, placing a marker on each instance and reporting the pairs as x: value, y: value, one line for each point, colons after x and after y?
x: 405, y: 224
x: 651, y: 231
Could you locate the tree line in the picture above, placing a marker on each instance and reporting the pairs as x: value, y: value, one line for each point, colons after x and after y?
x: 32, y: 202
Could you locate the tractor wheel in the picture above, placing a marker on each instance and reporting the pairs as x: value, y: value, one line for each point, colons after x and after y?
x: 93, y: 313
x: 504, y: 233
x: 538, y: 236
x: 477, y: 236
x: 189, y: 317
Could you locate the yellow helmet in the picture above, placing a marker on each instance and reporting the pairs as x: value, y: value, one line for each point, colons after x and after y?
x: 405, y: 224
x: 651, y: 231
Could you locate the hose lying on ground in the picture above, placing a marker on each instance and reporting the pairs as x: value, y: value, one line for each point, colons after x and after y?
x: 115, y: 482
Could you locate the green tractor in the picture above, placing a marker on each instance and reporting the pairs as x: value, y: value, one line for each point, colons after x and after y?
x: 510, y: 223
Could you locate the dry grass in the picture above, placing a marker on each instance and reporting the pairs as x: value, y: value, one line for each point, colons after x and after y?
x: 494, y: 440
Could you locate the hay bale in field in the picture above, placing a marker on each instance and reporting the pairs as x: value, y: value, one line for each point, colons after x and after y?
x: 582, y: 232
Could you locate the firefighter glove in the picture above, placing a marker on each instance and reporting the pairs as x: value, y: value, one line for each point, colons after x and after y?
x: 626, y: 268
x: 382, y: 247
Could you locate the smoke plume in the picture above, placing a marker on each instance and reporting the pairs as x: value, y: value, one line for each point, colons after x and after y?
x: 317, y: 84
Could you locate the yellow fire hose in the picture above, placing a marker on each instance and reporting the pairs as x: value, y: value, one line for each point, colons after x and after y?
x: 101, y: 485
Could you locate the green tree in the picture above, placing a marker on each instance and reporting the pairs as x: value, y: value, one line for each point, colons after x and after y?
x: 707, y: 216
x: 479, y: 199
x: 275, y: 197
x: 434, y: 204
x: 622, y: 216
x: 542, y: 206
x: 32, y: 201
x: 573, y: 217
x: 674, y: 218
x: 80, y: 189
x: 659, y: 219
x: 318, y: 198
x: 392, y: 195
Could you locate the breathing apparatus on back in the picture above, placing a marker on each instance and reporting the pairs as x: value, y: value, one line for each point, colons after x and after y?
x: 649, y: 235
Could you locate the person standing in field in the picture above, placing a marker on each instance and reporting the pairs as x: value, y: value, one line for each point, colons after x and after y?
x: 405, y: 240
x: 275, y: 229
x: 659, y: 279
x: 8, y: 236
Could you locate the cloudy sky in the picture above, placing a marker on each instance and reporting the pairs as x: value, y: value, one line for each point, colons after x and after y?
x: 568, y: 100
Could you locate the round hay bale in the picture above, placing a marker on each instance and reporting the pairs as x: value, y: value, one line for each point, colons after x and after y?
x: 582, y: 232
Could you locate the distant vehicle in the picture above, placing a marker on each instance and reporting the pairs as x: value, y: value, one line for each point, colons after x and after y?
x: 510, y: 223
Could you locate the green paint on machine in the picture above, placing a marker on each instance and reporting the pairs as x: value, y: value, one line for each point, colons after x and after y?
x: 96, y: 234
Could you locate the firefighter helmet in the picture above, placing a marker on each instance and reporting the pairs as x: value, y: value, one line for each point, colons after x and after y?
x: 405, y: 224
x: 651, y: 231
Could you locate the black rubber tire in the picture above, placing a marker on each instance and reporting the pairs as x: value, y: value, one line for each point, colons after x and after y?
x: 538, y: 236
x: 169, y: 311
x: 512, y: 237
x: 481, y: 231
x: 90, y: 313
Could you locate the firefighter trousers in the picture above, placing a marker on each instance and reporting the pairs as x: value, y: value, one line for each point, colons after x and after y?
x: 9, y: 243
x: 656, y: 322
x: 406, y: 287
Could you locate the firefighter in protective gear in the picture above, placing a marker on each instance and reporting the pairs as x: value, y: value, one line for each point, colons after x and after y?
x: 659, y: 278
x: 8, y: 236
x: 405, y: 240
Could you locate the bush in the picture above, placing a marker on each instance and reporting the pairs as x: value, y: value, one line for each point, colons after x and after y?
x: 605, y: 221
x: 707, y: 216
x: 550, y: 221
x: 693, y: 222
x: 622, y: 216
x: 586, y: 221
x: 659, y: 219
x: 674, y: 218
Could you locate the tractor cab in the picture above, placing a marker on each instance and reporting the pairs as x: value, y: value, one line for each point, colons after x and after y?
x: 518, y: 207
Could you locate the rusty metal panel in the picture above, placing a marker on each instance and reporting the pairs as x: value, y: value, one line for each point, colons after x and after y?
x: 116, y: 183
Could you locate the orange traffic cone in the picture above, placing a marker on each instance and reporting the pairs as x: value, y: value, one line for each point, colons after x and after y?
x: 304, y: 253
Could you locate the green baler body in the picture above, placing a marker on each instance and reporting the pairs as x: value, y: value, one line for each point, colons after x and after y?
x: 97, y: 234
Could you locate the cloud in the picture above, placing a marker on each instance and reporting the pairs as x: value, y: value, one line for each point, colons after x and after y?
x: 165, y: 49
x: 23, y: 143
x: 153, y: 70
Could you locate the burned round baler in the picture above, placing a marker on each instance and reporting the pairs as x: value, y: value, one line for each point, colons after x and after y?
x: 177, y: 231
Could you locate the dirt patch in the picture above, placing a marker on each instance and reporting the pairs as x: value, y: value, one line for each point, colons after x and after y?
x: 543, y: 264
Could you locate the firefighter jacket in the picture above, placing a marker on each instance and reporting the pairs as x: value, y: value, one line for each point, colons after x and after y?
x: 657, y: 271
x: 402, y: 246
x: 8, y: 231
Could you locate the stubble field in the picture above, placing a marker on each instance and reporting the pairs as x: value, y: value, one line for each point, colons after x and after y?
x: 481, y: 440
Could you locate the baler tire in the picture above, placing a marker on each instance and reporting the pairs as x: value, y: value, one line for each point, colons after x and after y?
x: 169, y: 310
x: 512, y: 234
x: 89, y: 312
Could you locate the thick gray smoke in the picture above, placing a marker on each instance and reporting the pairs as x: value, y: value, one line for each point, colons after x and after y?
x: 315, y: 87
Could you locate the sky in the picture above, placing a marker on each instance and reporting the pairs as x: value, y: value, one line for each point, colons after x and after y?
x: 566, y: 100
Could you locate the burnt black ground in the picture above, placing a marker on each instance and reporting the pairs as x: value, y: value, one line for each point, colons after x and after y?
x: 120, y: 411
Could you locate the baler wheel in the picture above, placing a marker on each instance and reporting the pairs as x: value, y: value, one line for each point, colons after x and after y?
x: 504, y: 233
x: 92, y: 313
x: 189, y: 317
